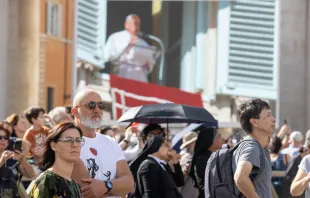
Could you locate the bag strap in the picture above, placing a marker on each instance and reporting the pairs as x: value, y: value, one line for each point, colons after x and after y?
x: 218, y: 170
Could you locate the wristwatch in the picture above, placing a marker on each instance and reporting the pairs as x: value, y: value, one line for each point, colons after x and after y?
x: 109, y: 185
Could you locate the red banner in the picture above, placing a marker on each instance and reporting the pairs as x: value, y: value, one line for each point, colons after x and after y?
x: 130, y: 93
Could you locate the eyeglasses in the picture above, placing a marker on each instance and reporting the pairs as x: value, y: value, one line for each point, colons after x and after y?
x: 92, y: 105
x: 69, y: 141
x: 3, y: 137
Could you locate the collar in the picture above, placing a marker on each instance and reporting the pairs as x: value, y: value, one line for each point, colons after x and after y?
x: 159, y: 161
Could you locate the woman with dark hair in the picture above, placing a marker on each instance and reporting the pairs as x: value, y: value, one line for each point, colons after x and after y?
x: 61, y: 148
x: 279, y: 162
x: 208, y: 141
x: 151, y: 172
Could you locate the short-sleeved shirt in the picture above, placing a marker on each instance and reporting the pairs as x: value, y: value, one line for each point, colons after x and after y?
x: 100, y: 156
x: 36, y: 138
x: 50, y: 185
x: 250, y: 151
x: 305, y: 166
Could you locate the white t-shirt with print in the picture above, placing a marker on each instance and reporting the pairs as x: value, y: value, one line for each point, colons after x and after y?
x: 100, y: 155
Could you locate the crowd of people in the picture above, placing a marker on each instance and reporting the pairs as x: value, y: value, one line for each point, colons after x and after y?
x: 67, y: 153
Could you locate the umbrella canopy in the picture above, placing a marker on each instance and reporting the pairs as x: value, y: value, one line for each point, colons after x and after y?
x: 167, y: 113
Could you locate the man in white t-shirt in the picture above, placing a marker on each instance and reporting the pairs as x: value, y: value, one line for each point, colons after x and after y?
x: 102, y: 170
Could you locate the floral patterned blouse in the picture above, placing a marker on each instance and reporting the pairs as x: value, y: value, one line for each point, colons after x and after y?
x: 51, y: 185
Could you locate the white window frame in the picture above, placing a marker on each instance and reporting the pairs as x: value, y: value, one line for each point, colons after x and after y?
x: 53, y: 19
x: 222, y: 85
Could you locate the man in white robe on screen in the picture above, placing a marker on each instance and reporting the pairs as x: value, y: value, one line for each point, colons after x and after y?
x: 130, y: 52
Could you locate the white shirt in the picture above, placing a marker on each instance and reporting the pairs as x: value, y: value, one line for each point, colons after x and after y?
x: 291, y: 151
x: 100, y: 155
x: 130, y: 64
x: 131, y: 153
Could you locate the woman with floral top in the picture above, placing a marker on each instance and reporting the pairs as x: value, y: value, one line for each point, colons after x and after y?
x: 61, y: 148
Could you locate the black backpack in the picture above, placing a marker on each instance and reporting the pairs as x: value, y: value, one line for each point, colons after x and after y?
x: 219, y: 178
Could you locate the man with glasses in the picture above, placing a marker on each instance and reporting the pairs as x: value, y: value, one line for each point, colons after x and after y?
x: 102, y: 170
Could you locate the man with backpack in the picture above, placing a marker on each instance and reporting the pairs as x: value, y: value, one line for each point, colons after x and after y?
x: 245, y: 170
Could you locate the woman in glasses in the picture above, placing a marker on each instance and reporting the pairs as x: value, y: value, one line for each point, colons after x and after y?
x: 61, y: 148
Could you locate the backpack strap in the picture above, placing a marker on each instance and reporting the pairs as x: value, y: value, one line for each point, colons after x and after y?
x: 218, y: 170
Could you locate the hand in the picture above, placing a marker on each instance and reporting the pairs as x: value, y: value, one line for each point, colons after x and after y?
x: 18, y: 156
x: 95, y: 188
x: 186, y: 169
x: 128, y: 133
x: 173, y: 156
x: 6, y: 155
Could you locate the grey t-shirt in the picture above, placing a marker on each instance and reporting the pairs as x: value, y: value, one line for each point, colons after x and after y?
x: 250, y: 151
x: 305, y: 166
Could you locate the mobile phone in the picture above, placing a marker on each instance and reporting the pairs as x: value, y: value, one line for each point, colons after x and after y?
x: 17, y: 145
x: 285, y: 121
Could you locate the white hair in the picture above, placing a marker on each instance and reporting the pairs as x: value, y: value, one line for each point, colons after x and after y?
x: 129, y: 17
x: 297, y: 136
x: 56, y: 112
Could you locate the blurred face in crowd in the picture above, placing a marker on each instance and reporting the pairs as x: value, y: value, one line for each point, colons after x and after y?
x: 21, y: 125
x: 9, y: 127
x: 88, y: 112
x: 155, y: 132
x: 39, y: 121
x: 132, y: 25
x: 162, y: 153
x: 265, y: 123
x: 217, y: 142
x: 110, y: 133
x: 63, y: 117
x: 3, y: 140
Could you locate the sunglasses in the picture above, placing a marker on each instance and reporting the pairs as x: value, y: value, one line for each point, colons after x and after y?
x: 69, y: 141
x: 4, y: 137
x: 92, y: 105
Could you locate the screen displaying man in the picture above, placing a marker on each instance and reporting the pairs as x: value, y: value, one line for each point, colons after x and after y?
x: 133, y: 57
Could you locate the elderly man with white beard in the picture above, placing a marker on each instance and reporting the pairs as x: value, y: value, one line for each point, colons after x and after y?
x: 102, y: 170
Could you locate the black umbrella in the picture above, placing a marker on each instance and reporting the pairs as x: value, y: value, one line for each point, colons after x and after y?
x: 168, y: 113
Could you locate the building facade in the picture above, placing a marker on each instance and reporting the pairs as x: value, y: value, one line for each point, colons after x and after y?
x: 36, y: 51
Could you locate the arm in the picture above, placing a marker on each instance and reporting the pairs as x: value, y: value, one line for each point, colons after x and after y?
x: 149, y: 176
x: 26, y: 147
x: 300, y: 183
x: 132, y: 153
x: 178, y: 175
x: 80, y: 172
x: 283, y: 134
x: 24, y: 167
x: 123, y: 184
x: 243, y: 180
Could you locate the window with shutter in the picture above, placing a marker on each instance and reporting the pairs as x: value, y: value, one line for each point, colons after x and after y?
x: 247, y: 48
x: 53, y: 19
x: 91, y: 30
